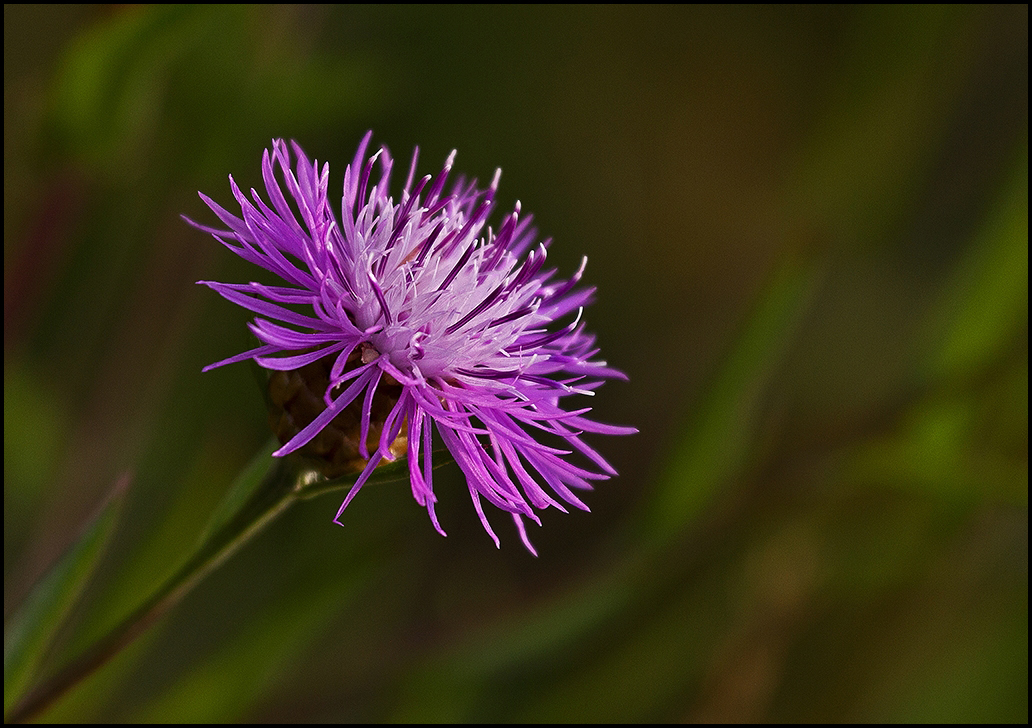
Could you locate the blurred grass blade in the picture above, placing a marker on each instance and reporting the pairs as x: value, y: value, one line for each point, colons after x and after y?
x: 32, y: 628
x: 268, y: 486
x: 242, y: 490
x: 225, y: 685
x: 721, y: 429
x: 961, y: 439
x: 987, y: 307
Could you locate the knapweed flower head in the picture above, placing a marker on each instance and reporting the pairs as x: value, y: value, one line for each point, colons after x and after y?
x: 418, y: 321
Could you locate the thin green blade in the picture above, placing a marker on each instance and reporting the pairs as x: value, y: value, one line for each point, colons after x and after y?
x: 32, y: 628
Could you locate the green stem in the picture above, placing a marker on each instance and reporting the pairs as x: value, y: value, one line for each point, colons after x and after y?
x: 281, y: 486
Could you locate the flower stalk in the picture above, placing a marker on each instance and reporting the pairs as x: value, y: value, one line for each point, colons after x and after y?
x: 252, y: 504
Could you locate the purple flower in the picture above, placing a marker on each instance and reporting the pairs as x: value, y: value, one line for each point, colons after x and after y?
x: 462, y: 325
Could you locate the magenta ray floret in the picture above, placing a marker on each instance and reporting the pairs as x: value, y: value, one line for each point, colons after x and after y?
x: 483, y: 341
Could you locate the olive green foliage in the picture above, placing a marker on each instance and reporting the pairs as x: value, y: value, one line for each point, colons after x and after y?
x: 809, y: 231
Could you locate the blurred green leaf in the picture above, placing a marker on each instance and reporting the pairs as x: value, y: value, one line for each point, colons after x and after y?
x: 935, y: 450
x: 242, y: 489
x: 129, y: 86
x: 445, y: 689
x: 230, y: 682
x: 721, y: 429
x: 962, y: 439
x: 979, y: 675
x: 633, y: 676
x: 111, y: 83
x: 988, y: 303
x: 267, y: 488
x: 33, y: 627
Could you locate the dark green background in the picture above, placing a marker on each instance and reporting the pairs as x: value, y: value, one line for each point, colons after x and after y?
x: 809, y: 230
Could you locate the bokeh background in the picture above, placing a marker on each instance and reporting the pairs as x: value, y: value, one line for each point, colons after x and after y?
x: 809, y: 231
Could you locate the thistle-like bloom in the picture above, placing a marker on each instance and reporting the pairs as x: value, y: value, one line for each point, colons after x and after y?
x: 420, y: 318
